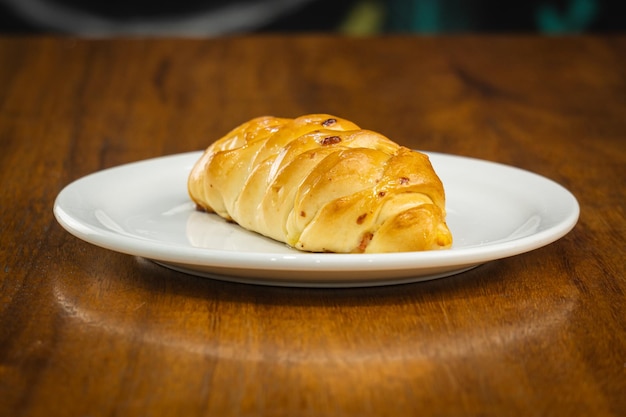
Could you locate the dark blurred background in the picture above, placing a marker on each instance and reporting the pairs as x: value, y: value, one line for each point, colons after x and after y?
x: 99, y: 18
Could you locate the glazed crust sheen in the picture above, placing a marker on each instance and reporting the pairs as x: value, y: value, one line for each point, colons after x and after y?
x: 321, y: 184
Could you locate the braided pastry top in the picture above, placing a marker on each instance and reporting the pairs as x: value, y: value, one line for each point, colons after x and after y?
x: 320, y: 183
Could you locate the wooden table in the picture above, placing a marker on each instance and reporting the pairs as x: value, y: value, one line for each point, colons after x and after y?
x: 86, y: 331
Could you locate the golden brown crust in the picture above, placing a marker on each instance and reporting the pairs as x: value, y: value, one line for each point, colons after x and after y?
x: 320, y: 183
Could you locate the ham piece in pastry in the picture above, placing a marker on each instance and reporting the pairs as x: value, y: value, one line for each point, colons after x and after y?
x: 320, y: 183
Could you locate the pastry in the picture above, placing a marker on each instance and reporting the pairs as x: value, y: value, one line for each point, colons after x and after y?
x: 320, y: 183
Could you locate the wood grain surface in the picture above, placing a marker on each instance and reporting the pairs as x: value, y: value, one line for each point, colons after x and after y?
x: 89, y: 332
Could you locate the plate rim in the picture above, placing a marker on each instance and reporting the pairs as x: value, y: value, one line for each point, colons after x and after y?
x: 299, y: 261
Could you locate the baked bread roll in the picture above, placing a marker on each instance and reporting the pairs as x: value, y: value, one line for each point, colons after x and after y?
x: 321, y: 184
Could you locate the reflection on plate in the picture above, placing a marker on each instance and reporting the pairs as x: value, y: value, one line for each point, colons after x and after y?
x: 494, y: 211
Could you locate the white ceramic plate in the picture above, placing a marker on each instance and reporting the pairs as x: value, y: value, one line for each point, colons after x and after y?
x: 142, y: 209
